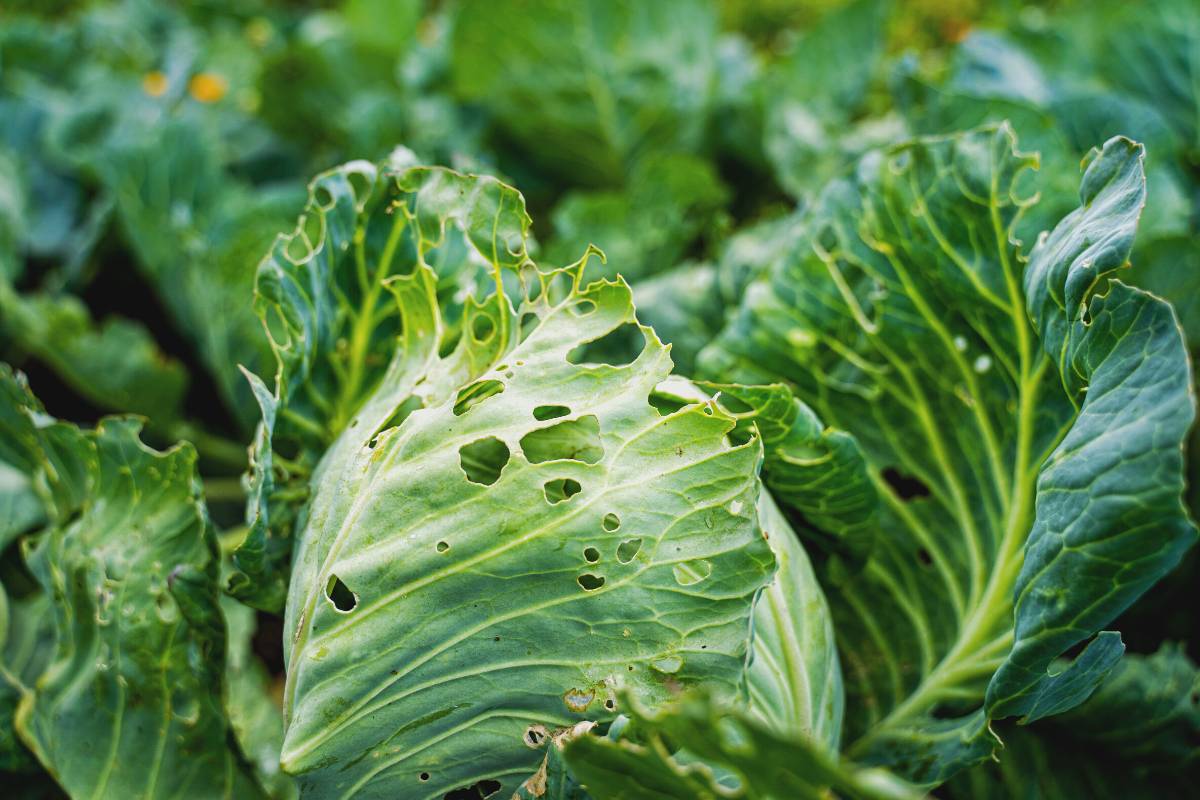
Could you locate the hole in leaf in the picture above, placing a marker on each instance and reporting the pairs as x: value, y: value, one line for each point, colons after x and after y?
x: 441, y: 547
x: 402, y: 412
x: 277, y: 325
x: 297, y: 248
x: 529, y: 321
x: 583, y: 308
x: 476, y: 393
x: 590, y: 582
x: 543, y: 413
x: 610, y: 522
x: 665, y: 406
x: 573, y: 440
x: 733, y: 404
x: 692, y: 572
x: 618, y: 347
x: 578, y: 700
x: 323, y: 198
x: 628, y: 550
x: 561, y: 489
x: 532, y: 282
x: 924, y: 558
x: 314, y: 229
x: 360, y: 184
x: 906, y: 486
x: 447, y: 345
x: 535, y: 735
x: 559, y: 287
x: 591, y: 555
x: 424, y: 776
x: 483, y: 460
x: 476, y: 791
x: 482, y: 328
x: 610, y: 704
x: 340, y: 595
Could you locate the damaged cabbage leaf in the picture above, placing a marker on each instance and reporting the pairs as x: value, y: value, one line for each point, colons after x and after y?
x: 130, y: 702
x: 501, y: 535
x: 327, y: 295
x: 1022, y: 426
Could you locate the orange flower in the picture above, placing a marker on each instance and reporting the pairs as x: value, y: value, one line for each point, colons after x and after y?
x: 207, y: 87
x: 154, y: 83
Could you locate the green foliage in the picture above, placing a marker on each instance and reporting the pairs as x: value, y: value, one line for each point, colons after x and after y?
x: 902, y: 319
x: 129, y: 701
x: 806, y: 437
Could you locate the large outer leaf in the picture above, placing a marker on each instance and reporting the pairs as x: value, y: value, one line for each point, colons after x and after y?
x: 903, y: 320
x: 1109, y: 520
x: 130, y: 703
x: 433, y: 618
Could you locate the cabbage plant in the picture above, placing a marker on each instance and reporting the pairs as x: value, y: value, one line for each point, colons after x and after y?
x: 675, y: 399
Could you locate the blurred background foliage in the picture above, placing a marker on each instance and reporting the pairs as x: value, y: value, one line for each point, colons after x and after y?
x: 150, y: 152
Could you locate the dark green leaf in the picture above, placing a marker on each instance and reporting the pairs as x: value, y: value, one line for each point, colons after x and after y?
x: 901, y: 318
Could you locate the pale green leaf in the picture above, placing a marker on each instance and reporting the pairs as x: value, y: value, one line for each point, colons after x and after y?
x: 328, y: 294
x: 481, y: 554
x: 794, y: 676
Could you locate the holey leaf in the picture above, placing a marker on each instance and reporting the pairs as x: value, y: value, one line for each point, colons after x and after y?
x: 1022, y: 422
x: 330, y: 295
x: 502, y: 536
x: 129, y: 702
